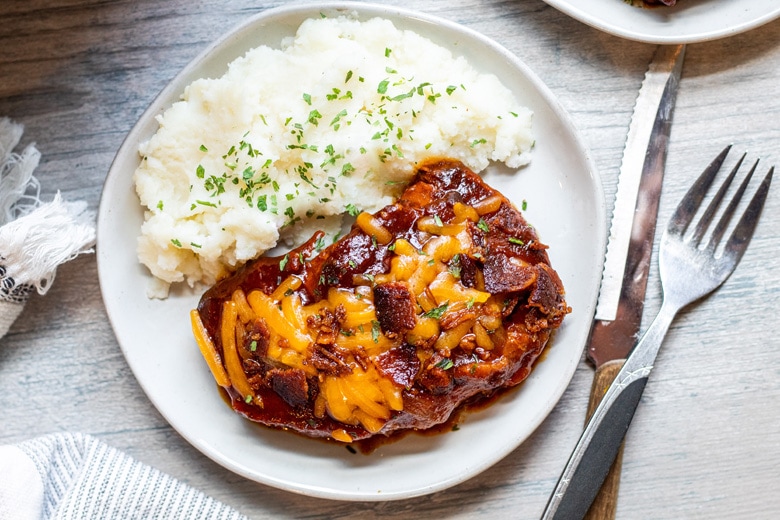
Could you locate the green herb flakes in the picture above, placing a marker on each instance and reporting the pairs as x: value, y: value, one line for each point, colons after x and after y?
x: 455, y: 267
x: 352, y: 210
x: 437, y: 312
x: 445, y: 364
x: 314, y: 117
x: 376, y: 330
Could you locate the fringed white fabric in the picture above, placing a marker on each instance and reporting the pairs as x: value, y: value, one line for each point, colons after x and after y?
x: 16, y: 174
x: 33, y: 246
x: 35, y: 237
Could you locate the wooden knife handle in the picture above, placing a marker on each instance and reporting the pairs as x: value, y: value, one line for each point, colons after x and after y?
x: 605, y: 503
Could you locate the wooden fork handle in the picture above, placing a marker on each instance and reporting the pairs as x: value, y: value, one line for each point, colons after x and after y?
x: 605, y: 503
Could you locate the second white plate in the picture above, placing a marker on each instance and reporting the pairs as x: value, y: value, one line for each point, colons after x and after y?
x: 689, y: 21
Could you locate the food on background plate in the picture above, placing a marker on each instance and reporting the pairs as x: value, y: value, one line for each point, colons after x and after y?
x: 439, y: 299
x: 652, y: 3
x: 288, y: 140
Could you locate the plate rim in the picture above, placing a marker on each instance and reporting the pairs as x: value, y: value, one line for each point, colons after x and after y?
x: 365, y: 10
x: 574, y: 11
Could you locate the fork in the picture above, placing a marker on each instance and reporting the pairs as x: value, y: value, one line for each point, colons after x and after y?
x: 690, y: 268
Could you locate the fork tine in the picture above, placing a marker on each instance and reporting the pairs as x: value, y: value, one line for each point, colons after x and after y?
x: 709, y: 213
x: 720, y: 228
x: 741, y: 235
x: 690, y: 203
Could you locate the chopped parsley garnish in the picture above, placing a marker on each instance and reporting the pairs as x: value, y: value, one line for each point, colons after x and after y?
x: 517, y: 241
x: 437, y: 220
x: 524, y: 205
x: 437, y: 312
x: 283, y: 262
x: 176, y: 242
x: 401, y: 97
x: 347, y: 168
x: 314, y: 116
x: 375, y: 331
x: 455, y: 267
x: 352, y: 210
x: 445, y: 364
x: 483, y: 225
x: 338, y: 116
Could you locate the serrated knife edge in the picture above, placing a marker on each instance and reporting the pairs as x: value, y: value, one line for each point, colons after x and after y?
x: 637, y: 141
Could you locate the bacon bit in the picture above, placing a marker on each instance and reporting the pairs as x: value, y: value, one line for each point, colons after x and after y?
x: 452, y: 319
x: 395, y: 307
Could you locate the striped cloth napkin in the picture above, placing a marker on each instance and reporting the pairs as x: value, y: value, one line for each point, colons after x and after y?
x: 75, y: 477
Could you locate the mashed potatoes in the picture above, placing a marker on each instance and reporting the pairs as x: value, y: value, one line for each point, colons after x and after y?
x: 290, y: 139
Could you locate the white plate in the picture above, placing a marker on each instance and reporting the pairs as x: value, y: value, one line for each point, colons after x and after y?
x: 688, y: 22
x: 565, y: 202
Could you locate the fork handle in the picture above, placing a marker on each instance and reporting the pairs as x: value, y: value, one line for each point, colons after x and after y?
x: 603, y: 435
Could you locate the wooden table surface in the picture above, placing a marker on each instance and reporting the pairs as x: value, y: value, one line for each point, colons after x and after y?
x: 705, y: 442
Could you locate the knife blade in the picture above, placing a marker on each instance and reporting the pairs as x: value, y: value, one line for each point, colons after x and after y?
x: 624, y: 281
x: 630, y: 245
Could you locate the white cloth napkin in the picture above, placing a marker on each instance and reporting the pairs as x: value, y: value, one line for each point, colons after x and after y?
x: 74, y: 476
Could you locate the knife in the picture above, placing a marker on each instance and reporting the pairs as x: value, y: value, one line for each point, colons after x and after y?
x: 621, y: 298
